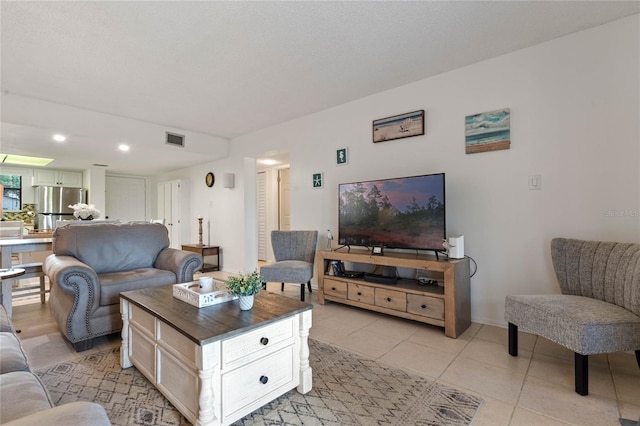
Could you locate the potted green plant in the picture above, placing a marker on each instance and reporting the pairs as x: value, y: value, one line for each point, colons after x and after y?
x: 245, y: 287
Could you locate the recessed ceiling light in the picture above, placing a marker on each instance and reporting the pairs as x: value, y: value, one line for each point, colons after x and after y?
x: 268, y: 162
x: 123, y: 147
x: 59, y: 138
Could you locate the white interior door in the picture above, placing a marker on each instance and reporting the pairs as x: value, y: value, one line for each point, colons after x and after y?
x: 261, y: 189
x: 284, y: 197
x: 125, y: 198
x: 169, y: 209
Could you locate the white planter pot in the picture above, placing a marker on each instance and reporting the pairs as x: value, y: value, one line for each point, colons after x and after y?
x: 246, y: 302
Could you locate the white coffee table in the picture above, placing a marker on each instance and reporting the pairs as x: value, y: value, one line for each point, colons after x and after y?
x: 217, y: 364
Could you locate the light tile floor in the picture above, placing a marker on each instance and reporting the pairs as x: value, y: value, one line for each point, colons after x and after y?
x: 535, y: 388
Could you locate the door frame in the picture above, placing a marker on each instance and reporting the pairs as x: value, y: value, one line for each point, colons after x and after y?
x: 272, y: 199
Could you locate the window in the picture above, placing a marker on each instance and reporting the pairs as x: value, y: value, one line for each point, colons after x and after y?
x: 12, y: 192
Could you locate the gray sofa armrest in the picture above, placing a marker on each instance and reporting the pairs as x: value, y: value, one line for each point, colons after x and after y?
x: 78, y: 294
x: 183, y: 263
x: 73, y: 413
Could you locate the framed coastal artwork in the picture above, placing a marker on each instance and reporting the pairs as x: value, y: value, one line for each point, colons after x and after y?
x: 398, y: 126
x: 488, y: 131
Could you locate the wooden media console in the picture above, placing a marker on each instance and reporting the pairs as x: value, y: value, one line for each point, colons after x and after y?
x: 447, y: 306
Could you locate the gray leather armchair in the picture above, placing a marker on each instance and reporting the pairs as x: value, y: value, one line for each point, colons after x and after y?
x: 295, y: 253
x: 92, y: 264
x: 599, y: 308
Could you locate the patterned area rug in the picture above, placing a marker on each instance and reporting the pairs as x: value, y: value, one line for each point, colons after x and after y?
x: 347, y: 390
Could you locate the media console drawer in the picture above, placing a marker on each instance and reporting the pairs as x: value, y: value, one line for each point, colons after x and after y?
x: 392, y: 299
x: 361, y: 293
x: 428, y: 306
x: 335, y: 288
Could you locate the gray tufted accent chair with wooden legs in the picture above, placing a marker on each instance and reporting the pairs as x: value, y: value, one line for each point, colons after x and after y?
x: 295, y: 253
x: 598, y: 311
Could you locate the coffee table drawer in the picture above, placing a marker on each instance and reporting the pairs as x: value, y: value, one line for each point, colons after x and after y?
x: 258, y: 343
x: 178, y: 381
x: 143, y: 320
x: 143, y: 352
x: 175, y: 341
x: 249, y: 387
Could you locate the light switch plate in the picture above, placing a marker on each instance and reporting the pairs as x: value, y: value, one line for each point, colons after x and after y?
x: 535, y: 182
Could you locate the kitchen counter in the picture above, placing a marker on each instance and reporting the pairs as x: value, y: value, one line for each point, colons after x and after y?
x: 48, y: 233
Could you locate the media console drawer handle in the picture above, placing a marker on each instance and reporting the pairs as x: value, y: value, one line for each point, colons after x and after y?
x: 264, y: 380
x: 359, y: 293
x: 333, y: 288
x: 388, y: 299
x: 264, y: 341
x: 424, y: 306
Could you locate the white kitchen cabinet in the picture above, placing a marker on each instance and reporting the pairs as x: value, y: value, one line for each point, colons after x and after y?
x: 48, y: 177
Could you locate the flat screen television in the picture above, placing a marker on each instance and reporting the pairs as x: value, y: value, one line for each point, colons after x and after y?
x: 400, y: 213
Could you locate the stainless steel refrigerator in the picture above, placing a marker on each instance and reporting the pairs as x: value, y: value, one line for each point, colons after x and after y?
x: 52, y: 204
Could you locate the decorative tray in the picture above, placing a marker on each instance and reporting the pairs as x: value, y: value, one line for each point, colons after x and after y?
x: 189, y: 293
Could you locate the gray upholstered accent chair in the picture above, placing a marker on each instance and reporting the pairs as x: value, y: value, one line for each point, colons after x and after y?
x: 92, y: 264
x: 599, y: 308
x: 295, y: 253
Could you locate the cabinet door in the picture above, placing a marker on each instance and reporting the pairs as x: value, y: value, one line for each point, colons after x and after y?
x: 44, y: 177
x: 72, y: 179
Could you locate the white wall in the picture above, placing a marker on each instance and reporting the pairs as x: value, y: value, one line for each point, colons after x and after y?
x: 222, y: 209
x: 94, y: 179
x: 574, y: 120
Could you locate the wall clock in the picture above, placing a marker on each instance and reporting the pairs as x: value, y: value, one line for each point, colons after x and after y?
x: 209, y: 179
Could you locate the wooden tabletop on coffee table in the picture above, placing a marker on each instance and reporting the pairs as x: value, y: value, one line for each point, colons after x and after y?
x: 216, y: 322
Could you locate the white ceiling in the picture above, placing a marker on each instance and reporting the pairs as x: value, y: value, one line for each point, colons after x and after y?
x: 223, y: 69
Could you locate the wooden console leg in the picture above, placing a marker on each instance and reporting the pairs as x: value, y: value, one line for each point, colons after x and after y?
x: 513, y: 339
x: 638, y: 357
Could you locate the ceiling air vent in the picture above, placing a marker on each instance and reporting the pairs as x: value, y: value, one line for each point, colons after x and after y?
x: 175, y: 139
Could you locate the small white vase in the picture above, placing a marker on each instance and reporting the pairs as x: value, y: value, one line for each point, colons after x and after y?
x: 246, y: 302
